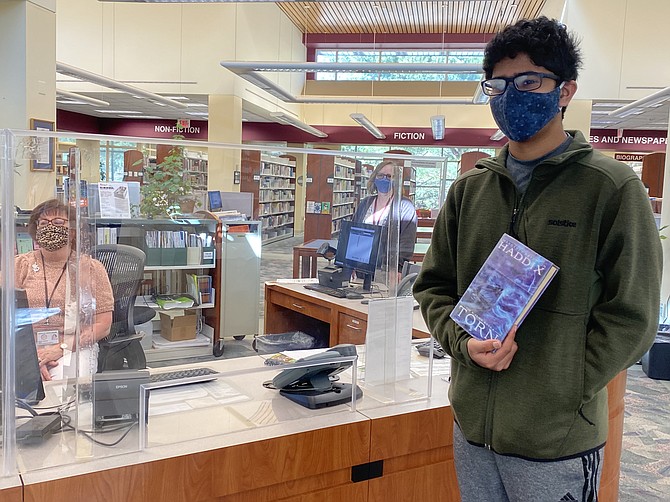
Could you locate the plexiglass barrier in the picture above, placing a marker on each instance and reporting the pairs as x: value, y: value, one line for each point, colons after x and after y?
x: 128, y: 257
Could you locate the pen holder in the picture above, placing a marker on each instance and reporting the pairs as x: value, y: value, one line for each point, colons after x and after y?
x: 208, y: 255
x: 193, y: 255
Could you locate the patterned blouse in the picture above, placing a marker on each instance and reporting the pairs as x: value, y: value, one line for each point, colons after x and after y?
x: 32, y: 274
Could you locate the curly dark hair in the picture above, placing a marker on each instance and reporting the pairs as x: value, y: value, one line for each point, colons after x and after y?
x: 547, y: 43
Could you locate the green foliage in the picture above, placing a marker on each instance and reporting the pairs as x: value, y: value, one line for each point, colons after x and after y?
x: 165, y: 185
x: 662, y: 236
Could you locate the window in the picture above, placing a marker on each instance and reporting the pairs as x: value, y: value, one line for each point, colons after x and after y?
x: 111, y: 159
x: 434, y: 175
x: 399, y: 56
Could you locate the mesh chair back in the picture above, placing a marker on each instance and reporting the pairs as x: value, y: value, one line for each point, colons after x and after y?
x: 125, y: 267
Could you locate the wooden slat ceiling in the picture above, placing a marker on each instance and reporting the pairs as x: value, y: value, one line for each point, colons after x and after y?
x: 465, y: 16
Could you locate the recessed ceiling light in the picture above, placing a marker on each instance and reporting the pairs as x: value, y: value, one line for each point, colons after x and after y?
x: 196, y: 105
x: 177, y: 98
x: 119, y: 111
x: 198, y: 114
x: 608, y: 105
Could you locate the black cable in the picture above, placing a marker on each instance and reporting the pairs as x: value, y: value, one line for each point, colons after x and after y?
x: 20, y: 403
x: 87, y: 434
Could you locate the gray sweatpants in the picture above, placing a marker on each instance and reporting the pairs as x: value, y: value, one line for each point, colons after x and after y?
x: 485, y: 476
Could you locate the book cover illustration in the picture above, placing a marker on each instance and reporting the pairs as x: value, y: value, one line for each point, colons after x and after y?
x: 504, y: 290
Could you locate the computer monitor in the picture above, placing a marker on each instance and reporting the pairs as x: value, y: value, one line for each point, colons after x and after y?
x: 214, y: 200
x: 358, y: 249
x: 27, y: 380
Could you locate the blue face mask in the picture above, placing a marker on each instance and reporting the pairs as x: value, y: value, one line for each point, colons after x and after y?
x: 383, y: 185
x: 521, y: 115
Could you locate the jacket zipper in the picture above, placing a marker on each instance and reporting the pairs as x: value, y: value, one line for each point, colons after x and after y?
x: 488, y: 427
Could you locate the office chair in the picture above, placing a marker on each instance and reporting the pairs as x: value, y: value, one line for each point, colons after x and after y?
x: 410, y: 272
x: 121, y: 349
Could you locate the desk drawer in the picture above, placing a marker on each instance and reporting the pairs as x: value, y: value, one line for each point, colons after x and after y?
x: 351, y: 329
x: 305, y: 307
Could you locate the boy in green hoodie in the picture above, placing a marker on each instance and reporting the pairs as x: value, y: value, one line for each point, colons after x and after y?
x: 531, y: 412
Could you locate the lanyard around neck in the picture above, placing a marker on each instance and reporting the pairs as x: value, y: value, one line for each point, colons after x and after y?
x: 47, y: 296
x: 379, y: 216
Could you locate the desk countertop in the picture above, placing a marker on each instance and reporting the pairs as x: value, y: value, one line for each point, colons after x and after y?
x: 261, y: 414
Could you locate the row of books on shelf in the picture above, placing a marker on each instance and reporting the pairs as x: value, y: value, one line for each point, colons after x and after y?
x: 343, y: 185
x: 269, y: 168
x: 270, y: 182
x: 343, y: 198
x: 276, y: 207
x: 275, y: 221
x: 107, y: 235
x: 276, y: 195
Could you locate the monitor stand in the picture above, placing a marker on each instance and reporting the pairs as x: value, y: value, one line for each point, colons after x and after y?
x: 340, y: 393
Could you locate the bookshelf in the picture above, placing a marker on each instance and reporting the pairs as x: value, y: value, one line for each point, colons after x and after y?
x: 168, y: 270
x: 362, y: 177
x: 329, y: 195
x: 271, y: 180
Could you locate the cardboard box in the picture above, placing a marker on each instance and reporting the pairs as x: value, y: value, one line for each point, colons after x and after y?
x: 176, y: 327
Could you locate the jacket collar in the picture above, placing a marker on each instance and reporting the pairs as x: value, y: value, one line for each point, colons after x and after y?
x: 577, y: 149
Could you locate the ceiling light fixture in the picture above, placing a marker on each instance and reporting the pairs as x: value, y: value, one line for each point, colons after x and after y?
x: 283, y: 118
x: 82, y: 98
x: 94, y: 78
x: 652, y: 99
x: 314, y: 66
x: 498, y: 135
x: 368, y: 125
x: 437, y: 125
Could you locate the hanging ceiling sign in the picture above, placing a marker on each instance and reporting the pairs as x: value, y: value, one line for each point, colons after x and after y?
x: 629, y: 140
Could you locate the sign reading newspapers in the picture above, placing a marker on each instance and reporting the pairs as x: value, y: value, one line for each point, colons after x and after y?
x: 114, y: 200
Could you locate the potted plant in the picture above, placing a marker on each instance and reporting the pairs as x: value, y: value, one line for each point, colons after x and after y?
x: 166, y: 189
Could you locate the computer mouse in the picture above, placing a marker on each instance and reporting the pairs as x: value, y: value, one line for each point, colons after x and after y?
x: 352, y: 295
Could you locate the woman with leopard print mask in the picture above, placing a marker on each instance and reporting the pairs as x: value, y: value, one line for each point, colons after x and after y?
x: 48, y: 276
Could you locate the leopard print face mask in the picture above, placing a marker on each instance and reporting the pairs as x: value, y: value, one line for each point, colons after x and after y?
x: 52, y: 237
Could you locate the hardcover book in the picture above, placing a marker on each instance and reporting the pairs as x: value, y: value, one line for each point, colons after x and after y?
x: 504, y: 290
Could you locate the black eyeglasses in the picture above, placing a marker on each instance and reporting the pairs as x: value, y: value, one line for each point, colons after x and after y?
x: 381, y: 176
x: 525, y: 82
x: 59, y: 222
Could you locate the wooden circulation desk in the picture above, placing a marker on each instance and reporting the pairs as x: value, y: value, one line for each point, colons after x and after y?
x: 396, y: 452
x: 291, y: 307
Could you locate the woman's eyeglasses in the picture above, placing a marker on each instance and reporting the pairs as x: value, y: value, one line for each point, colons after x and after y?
x: 384, y: 177
x: 59, y: 222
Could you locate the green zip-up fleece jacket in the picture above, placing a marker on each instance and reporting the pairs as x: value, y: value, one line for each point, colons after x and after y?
x: 591, y: 216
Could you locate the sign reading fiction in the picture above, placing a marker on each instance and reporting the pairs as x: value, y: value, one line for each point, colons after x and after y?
x: 409, y: 135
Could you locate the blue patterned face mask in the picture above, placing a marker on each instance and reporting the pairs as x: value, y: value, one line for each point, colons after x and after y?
x: 383, y: 185
x: 521, y: 115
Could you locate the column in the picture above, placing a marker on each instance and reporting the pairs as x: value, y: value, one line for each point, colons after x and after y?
x: 225, y: 126
x: 28, y: 84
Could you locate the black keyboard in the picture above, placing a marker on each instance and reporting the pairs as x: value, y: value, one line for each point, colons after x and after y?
x: 338, y: 293
x: 206, y: 374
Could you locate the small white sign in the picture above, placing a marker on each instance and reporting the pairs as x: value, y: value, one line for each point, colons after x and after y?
x: 114, y: 200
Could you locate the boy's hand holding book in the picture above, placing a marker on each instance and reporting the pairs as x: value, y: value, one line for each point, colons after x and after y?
x: 493, y: 354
